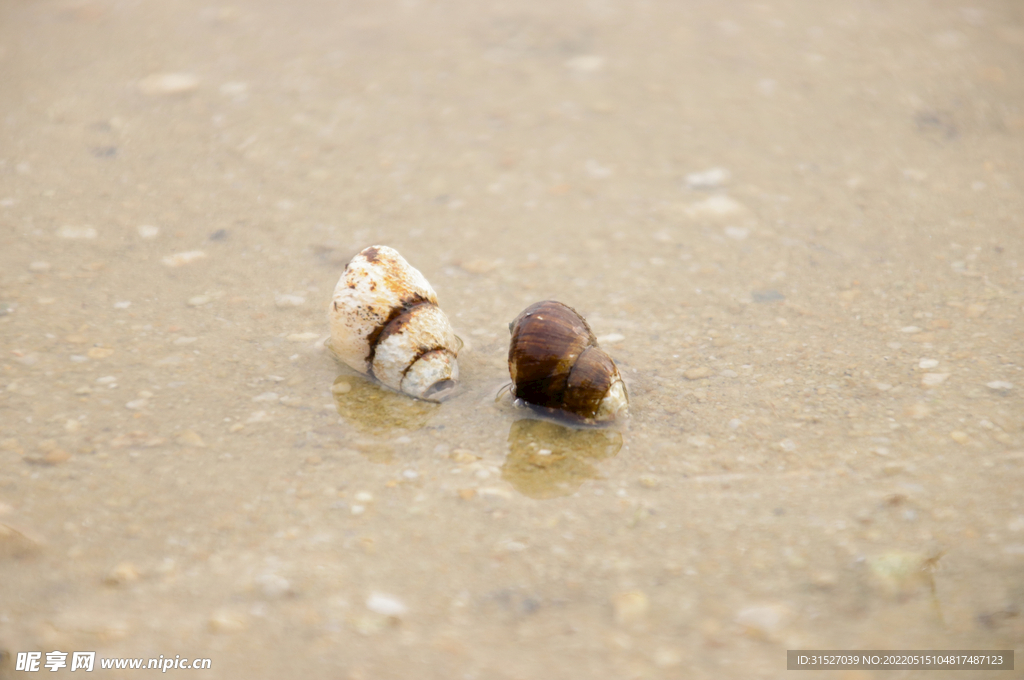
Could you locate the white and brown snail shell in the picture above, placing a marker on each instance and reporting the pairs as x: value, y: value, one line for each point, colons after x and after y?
x: 556, y: 364
x: 385, y: 323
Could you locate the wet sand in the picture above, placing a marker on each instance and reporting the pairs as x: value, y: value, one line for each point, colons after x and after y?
x: 796, y: 228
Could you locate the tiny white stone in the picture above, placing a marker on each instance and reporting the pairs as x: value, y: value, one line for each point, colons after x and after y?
x: 933, y: 379
x: 712, y: 178
x: 610, y: 338
x: 184, y: 340
x: 266, y: 396
x: 928, y: 363
x: 737, y: 233
x: 182, y: 259
x: 910, y: 329
x: 410, y: 474
x: 289, y: 300
x: 385, y: 605
x: 544, y: 452
x: 148, y: 231
x: 716, y: 206
x: 136, y: 404
x: 168, y: 84
x: 598, y: 171
x: 106, y: 380
x: 585, y: 63
x: 39, y: 266
x: 77, y: 233
x: 123, y: 304
x: 787, y: 445
x: 999, y: 386
x: 364, y: 497
x: 357, y: 509
x: 274, y: 585
x: 234, y: 88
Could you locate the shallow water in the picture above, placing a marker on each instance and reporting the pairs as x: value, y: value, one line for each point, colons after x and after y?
x: 822, y: 339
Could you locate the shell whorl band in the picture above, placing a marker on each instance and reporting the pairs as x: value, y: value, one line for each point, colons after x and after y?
x: 385, y: 323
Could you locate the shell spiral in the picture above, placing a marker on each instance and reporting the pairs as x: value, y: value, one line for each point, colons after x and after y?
x: 555, y: 363
x: 385, y: 323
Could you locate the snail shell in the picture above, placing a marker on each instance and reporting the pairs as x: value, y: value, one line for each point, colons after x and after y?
x: 385, y: 323
x: 556, y: 364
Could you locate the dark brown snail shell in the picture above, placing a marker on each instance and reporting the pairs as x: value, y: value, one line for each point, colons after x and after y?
x: 556, y: 364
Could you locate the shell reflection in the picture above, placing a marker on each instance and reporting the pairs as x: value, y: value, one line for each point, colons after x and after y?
x: 362, y: 403
x: 548, y: 460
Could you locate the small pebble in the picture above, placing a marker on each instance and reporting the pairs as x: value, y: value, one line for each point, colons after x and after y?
x: 729, y: 373
x: 386, y: 605
x: 698, y: 440
x: 168, y: 84
x: 136, y: 404
x: 266, y: 396
x: 975, y: 310
x: 56, y: 457
x: 737, y: 233
x: 274, y: 585
x: 148, y: 231
x: 712, y: 178
x: 364, y: 497
x: 933, y: 379
x: 763, y: 622
x: 106, y: 380
x: 284, y: 301
x: 716, y: 207
x: 39, y: 266
x: 125, y: 572
x: 630, y: 607
x: 787, y: 445
x: 665, y: 657
x: 999, y: 386
x: 99, y: 352
x: 585, y: 63
x: 123, y: 304
x: 928, y: 363
x: 918, y: 411
x: 185, y: 340
x: 910, y: 329
x: 223, y: 621
x: 182, y: 259
x: 959, y: 437
x: 191, y: 438
x: 697, y: 373
x: 898, y: 572
x: 199, y: 300
x: 610, y: 338
x: 77, y: 233
x: 341, y: 388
